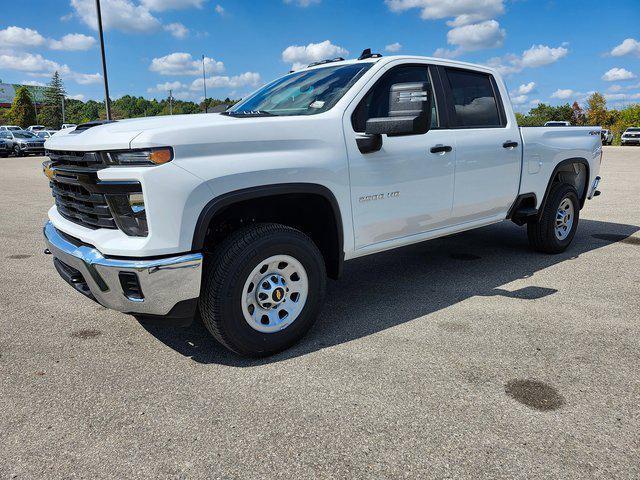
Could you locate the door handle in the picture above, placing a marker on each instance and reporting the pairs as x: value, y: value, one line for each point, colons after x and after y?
x: 509, y: 144
x: 440, y: 149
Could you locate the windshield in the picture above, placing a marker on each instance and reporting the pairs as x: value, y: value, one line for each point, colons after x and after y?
x: 14, y: 128
x: 43, y: 134
x: 304, y: 93
x: 633, y: 129
x: 24, y: 135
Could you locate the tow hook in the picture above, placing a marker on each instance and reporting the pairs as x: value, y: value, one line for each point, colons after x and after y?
x: 47, y: 251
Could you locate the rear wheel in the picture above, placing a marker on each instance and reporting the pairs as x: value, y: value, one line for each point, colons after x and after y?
x: 553, y: 232
x: 262, y: 289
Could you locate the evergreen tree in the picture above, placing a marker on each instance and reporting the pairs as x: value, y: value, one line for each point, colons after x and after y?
x: 23, y: 112
x: 51, y: 115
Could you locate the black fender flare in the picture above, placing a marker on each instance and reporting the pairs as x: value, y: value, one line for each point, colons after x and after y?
x: 560, y: 165
x: 227, y: 199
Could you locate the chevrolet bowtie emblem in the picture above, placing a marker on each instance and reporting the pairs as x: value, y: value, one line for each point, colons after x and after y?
x: 48, y: 171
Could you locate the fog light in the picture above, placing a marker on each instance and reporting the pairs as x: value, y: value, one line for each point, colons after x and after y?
x: 129, y: 213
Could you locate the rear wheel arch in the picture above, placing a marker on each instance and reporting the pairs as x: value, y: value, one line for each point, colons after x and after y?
x: 575, y: 172
x: 309, y: 207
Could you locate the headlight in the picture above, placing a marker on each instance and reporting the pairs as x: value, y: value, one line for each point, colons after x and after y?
x: 129, y: 213
x: 148, y: 156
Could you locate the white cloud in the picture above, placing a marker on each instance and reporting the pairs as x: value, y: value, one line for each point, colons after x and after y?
x: 539, y: 55
x: 180, y: 63
x: 618, y: 74
x: 563, y: 94
x: 393, y: 47
x: 519, y: 99
x: 629, y: 46
x: 621, y: 96
x: 18, y: 37
x: 121, y: 15
x: 219, y: 9
x: 73, y: 41
x: 33, y: 64
x: 38, y: 66
x: 300, y: 56
x: 526, y: 88
x: 619, y: 88
x: 536, y: 56
x: 77, y: 96
x: 177, y: 29
x: 86, y: 78
x: 242, y: 80
x: 302, y: 3
x: 535, y: 102
x: 165, y: 87
x: 33, y: 83
x: 475, y: 36
x: 162, y: 5
x: 464, y: 12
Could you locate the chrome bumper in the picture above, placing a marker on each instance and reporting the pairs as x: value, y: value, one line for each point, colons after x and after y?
x: 163, y: 283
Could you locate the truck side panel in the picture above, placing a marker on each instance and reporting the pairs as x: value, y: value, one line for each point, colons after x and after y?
x: 544, y: 148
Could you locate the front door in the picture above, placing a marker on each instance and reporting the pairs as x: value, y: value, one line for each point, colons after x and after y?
x: 403, y: 189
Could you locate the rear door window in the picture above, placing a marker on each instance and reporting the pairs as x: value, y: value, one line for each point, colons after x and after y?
x: 473, y: 99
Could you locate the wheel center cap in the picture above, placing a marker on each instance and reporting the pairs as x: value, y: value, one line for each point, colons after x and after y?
x: 272, y: 291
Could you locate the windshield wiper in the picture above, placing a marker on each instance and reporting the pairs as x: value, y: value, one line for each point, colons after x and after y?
x: 249, y: 113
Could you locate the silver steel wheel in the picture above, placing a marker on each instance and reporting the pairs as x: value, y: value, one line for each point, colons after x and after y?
x: 275, y: 293
x: 564, y: 219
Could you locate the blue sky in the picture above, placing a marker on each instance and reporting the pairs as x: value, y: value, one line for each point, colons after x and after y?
x: 549, y: 50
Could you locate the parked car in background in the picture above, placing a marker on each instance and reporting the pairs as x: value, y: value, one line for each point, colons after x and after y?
x: 23, y: 143
x: 68, y: 125
x: 557, y: 124
x: 36, y: 128
x: 607, y: 136
x: 46, y: 133
x: 631, y: 136
x: 10, y: 127
x: 5, y: 150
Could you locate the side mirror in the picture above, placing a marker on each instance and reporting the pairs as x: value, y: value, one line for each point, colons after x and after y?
x: 409, y: 114
x: 409, y: 111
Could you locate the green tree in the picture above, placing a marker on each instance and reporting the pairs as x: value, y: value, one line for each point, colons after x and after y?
x: 51, y: 114
x: 23, y: 112
x: 596, y: 110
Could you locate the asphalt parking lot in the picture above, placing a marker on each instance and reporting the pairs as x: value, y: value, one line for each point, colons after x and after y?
x: 463, y: 357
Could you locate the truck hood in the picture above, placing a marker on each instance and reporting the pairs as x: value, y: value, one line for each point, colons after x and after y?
x: 119, y: 135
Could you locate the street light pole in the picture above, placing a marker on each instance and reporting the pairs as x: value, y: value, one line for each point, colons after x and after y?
x: 107, y: 102
x: 170, y: 102
x: 204, y: 83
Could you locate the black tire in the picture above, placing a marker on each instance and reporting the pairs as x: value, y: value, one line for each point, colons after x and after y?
x: 16, y: 151
x: 542, y: 236
x: 226, y: 272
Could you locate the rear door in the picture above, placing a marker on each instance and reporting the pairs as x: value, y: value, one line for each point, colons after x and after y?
x: 488, y: 155
x: 403, y: 189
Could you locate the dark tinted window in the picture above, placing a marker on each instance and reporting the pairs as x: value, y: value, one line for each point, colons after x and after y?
x: 376, y: 103
x: 474, y: 100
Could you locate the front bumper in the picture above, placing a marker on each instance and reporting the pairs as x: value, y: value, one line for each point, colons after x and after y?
x: 634, y: 140
x: 164, y: 285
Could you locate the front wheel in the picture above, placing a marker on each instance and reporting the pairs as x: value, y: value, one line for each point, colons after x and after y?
x: 16, y: 151
x: 553, y: 232
x: 262, y: 289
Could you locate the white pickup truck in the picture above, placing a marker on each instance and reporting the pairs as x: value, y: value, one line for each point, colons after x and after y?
x: 239, y: 217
